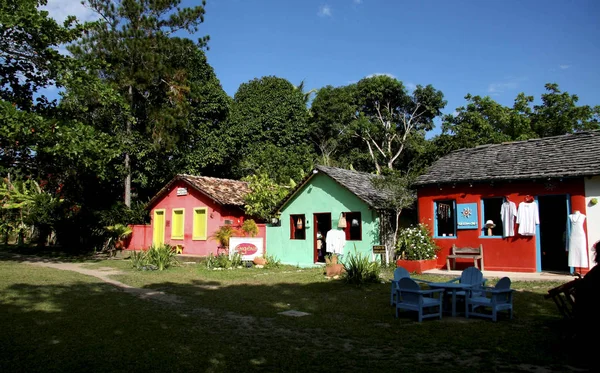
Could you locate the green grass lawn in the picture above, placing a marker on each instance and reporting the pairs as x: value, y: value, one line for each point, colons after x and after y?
x: 56, y: 320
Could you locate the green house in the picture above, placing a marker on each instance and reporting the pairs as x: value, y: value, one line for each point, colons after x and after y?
x: 316, y: 206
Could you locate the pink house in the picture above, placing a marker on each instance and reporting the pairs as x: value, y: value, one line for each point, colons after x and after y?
x: 188, y: 210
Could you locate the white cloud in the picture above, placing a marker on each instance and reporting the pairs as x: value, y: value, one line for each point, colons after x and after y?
x: 501, y: 87
x: 358, y: 1
x: 324, y: 11
x: 410, y: 86
x: 379, y: 74
x: 564, y: 67
x: 61, y: 9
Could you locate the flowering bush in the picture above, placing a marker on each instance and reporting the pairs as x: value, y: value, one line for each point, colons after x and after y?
x: 415, y: 243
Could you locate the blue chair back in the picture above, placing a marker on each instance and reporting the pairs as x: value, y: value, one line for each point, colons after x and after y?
x: 409, y: 284
x: 503, y: 284
x: 400, y: 273
x: 471, y: 276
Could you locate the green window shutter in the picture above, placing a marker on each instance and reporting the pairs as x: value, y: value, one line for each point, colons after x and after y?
x: 177, y: 224
x: 200, y: 223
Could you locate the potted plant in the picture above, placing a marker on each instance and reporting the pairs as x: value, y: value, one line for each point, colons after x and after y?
x: 415, y: 249
x: 332, y: 267
x: 222, y: 236
x: 249, y: 228
x: 117, y: 235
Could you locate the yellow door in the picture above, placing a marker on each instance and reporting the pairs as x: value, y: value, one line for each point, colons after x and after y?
x: 158, y: 227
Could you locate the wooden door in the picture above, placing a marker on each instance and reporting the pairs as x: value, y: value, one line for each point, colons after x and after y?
x: 158, y: 227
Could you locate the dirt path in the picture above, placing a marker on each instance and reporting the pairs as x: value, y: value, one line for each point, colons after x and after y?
x: 103, y: 274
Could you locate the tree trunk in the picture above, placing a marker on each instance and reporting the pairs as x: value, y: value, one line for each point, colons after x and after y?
x: 127, y: 160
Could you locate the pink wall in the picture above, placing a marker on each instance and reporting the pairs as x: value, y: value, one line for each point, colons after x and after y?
x: 140, y: 238
x: 517, y: 253
x: 217, y: 214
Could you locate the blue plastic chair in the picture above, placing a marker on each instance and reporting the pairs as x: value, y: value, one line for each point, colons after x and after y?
x: 470, y: 276
x: 399, y: 273
x: 410, y: 297
x: 500, y: 300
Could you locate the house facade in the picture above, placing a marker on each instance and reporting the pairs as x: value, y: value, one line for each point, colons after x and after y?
x: 189, y: 209
x: 314, y: 209
x: 517, y: 199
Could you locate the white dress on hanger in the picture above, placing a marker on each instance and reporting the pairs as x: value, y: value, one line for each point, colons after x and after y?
x: 577, y: 243
x: 508, y: 213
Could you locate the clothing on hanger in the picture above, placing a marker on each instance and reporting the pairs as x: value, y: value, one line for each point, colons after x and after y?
x: 527, y: 218
x: 508, y: 213
x: 335, y: 241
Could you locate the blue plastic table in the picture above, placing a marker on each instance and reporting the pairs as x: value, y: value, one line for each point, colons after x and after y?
x: 450, y: 288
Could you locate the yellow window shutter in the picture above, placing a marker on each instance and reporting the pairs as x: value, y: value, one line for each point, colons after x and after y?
x: 200, y: 223
x: 177, y: 224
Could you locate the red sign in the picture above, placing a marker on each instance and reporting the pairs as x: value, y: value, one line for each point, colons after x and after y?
x: 246, y: 249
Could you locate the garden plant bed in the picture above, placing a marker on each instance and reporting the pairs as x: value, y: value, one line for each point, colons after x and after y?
x: 59, y: 320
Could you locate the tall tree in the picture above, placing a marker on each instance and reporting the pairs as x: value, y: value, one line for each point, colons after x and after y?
x: 29, y: 41
x: 134, y: 41
x: 29, y: 61
x: 559, y: 114
x: 268, y: 130
x: 332, y: 112
x: 484, y: 121
x: 388, y: 115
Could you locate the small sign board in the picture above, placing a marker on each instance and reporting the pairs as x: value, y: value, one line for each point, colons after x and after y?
x: 248, y: 247
x: 466, y: 216
x: 182, y: 191
x: 378, y: 249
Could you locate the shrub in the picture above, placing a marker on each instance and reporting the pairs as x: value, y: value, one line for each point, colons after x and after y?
x: 272, y: 262
x: 360, y: 269
x: 415, y: 243
x: 223, y: 261
x: 138, y: 259
x: 161, y: 257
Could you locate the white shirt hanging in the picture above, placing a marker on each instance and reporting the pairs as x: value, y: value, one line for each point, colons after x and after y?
x: 527, y: 218
x: 577, y: 244
x: 508, y: 213
x: 335, y: 239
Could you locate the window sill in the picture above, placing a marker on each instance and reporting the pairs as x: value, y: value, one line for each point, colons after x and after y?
x: 198, y: 239
x: 177, y: 238
x: 445, y: 237
x: 491, y: 237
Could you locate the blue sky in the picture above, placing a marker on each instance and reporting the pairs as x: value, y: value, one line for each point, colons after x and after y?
x: 497, y: 48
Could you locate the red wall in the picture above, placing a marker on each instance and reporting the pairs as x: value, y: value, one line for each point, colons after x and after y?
x: 516, y: 253
x: 217, y: 214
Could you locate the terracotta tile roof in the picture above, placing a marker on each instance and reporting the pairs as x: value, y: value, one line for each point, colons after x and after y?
x: 570, y: 155
x: 222, y: 191
x: 358, y: 183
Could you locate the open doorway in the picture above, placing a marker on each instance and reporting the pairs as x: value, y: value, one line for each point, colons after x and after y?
x: 553, y: 232
x: 322, y: 222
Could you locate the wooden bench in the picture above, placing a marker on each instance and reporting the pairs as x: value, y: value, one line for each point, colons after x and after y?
x: 474, y: 253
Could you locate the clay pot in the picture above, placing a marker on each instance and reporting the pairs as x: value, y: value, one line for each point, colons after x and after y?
x: 334, y: 270
x: 259, y: 261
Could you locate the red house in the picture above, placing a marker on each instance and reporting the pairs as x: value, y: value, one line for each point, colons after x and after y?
x: 463, y: 195
x: 188, y: 210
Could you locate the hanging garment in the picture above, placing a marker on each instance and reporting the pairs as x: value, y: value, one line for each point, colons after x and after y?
x: 335, y: 241
x: 508, y: 213
x: 577, y: 244
x: 527, y: 218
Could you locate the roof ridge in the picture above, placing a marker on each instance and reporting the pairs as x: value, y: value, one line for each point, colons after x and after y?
x: 212, y: 177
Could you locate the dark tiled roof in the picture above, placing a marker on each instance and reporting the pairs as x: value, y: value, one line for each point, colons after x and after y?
x: 358, y: 183
x: 570, y: 155
x: 222, y: 191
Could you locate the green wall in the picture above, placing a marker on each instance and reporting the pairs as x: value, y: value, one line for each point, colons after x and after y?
x: 320, y: 195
